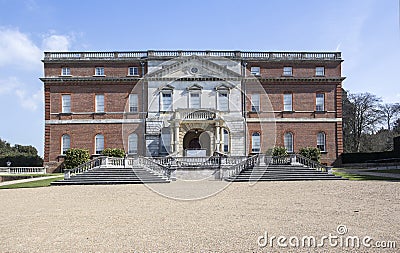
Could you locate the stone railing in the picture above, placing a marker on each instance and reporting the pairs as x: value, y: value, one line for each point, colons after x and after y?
x: 195, y: 114
x: 200, y: 162
x: 206, y: 53
x: 237, y: 168
x: 22, y: 170
x: 97, y: 162
x: 292, y: 159
x: 157, y: 168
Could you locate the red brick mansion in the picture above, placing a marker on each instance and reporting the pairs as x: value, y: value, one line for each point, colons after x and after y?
x: 184, y: 103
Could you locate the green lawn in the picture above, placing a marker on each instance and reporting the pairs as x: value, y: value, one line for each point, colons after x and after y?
x: 363, y: 177
x: 33, y: 184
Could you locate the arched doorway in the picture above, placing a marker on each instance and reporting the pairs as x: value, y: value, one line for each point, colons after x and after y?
x: 197, y: 139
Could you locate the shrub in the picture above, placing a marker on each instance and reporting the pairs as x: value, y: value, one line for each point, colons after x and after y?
x: 311, y: 153
x: 75, y: 157
x: 113, y: 152
x: 279, y: 151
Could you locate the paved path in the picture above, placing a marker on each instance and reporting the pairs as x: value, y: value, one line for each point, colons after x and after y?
x: 27, y: 180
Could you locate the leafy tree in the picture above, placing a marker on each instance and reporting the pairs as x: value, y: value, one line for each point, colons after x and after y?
x: 75, y: 157
x: 113, y: 152
x: 19, y: 155
x: 312, y: 153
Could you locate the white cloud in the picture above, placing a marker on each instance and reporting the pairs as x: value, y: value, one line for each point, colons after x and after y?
x: 56, y: 43
x: 30, y: 101
x: 21, y: 66
x: 16, y: 49
x: 8, y: 85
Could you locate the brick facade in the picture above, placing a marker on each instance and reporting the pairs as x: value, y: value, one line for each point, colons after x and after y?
x: 115, y: 124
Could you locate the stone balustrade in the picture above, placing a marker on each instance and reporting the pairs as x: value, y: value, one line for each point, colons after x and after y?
x: 49, y: 56
x: 22, y: 170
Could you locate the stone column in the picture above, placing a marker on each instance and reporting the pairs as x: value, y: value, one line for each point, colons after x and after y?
x: 221, y: 145
x: 171, y: 142
x: 217, y: 137
x: 176, y: 135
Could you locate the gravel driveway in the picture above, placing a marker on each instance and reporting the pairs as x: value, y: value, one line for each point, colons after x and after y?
x: 132, y: 218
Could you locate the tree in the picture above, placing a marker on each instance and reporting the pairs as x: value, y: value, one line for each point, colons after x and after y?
x: 19, y: 155
x: 361, y: 115
x: 396, y: 126
x: 389, y: 113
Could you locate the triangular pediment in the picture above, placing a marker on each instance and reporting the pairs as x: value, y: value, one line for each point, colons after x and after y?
x: 166, y: 87
x: 192, y: 67
x: 223, y: 87
x: 195, y: 87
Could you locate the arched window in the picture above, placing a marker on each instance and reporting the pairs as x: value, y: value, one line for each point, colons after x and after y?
x: 321, y: 141
x: 226, y: 140
x: 132, y: 143
x: 99, y: 140
x: 288, y: 141
x: 255, y: 142
x: 65, y: 143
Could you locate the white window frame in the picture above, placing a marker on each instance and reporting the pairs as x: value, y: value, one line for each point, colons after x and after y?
x: 288, y: 142
x: 99, y: 71
x: 98, y: 143
x: 191, y: 100
x: 255, y: 102
x: 133, y: 71
x: 65, y: 143
x: 100, y: 103
x: 255, y: 142
x: 133, y: 143
x: 256, y: 71
x: 321, y: 141
x: 66, y: 103
x: 133, y: 103
x: 222, y: 96
x: 65, y: 71
x: 166, y: 107
x: 320, y: 71
x: 287, y: 107
x: 288, y: 71
x: 320, y: 102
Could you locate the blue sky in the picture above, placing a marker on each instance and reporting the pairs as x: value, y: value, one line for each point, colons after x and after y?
x: 366, y: 32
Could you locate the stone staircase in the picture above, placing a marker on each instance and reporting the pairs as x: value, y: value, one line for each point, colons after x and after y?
x: 281, y: 173
x: 113, y: 175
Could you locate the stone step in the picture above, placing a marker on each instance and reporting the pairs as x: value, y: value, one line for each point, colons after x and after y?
x: 98, y: 182
x: 281, y: 173
x: 283, y: 179
x: 113, y: 175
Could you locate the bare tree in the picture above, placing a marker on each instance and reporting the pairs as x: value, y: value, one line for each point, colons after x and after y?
x: 361, y: 115
x: 389, y: 113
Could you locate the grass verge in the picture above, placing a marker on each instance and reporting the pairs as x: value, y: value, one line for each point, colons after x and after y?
x: 33, y: 184
x: 362, y: 177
